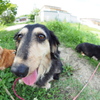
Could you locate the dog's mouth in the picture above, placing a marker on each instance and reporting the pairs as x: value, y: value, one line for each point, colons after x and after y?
x: 30, y: 79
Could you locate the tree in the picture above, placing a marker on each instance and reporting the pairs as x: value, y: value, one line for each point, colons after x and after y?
x: 8, y: 16
x: 34, y: 13
x: 31, y: 17
x: 4, y: 4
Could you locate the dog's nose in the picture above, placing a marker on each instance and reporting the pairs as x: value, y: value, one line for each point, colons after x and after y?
x: 20, y: 71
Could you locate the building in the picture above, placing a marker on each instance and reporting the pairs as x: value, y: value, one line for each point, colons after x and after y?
x: 94, y: 21
x: 22, y: 19
x: 48, y: 13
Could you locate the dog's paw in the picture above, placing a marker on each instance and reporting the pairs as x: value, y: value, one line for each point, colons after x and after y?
x: 47, y: 86
x: 94, y: 58
x: 2, y: 68
x: 82, y: 54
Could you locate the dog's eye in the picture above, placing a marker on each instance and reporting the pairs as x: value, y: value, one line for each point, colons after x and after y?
x: 20, y: 36
x: 41, y: 37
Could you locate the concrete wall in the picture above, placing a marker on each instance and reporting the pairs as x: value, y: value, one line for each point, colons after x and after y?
x: 56, y: 15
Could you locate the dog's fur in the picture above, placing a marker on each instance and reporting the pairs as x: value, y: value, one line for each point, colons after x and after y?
x: 90, y: 50
x: 6, y: 58
x: 37, y: 49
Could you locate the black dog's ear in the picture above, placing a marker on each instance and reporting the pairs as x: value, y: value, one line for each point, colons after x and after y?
x: 15, y: 36
x: 18, y: 37
x: 54, y: 42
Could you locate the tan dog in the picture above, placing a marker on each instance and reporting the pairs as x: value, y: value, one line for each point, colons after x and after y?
x: 37, y: 59
x: 6, y: 58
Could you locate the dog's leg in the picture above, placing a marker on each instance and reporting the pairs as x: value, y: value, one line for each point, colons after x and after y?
x: 56, y: 76
x: 94, y: 58
x: 82, y: 54
x: 47, y: 86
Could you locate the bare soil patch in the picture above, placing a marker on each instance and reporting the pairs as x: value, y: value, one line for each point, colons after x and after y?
x: 83, y: 70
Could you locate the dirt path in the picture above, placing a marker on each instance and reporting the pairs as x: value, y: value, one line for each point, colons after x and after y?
x: 10, y: 28
x: 83, y: 70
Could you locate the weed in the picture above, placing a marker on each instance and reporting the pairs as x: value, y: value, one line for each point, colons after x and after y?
x: 70, y: 35
x: 67, y: 87
x: 68, y: 69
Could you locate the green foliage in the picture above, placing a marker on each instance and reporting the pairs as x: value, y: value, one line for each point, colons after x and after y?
x: 4, y: 4
x: 68, y: 69
x: 35, y: 11
x: 64, y: 89
x: 70, y: 35
x: 6, y: 39
x: 31, y: 17
x: 8, y: 16
x: 33, y: 14
x: 57, y: 26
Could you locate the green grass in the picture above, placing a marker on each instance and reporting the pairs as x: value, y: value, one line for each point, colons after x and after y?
x: 70, y: 35
x: 64, y: 89
x: 6, y: 39
x: 67, y: 87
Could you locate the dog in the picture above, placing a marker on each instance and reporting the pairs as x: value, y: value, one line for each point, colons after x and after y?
x: 6, y: 58
x: 90, y: 50
x: 37, y: 59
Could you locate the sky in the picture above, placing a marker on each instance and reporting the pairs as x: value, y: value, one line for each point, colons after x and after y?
x: 79, y: 8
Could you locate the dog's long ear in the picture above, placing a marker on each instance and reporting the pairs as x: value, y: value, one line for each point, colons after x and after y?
x: 54, y: 42
x: 15, y: 36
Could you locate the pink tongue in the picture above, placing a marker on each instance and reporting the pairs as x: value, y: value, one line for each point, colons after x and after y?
x: 31, y: 79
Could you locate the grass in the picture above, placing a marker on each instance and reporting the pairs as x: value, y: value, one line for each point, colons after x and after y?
x: 70, y: 35
x: 67, y: 87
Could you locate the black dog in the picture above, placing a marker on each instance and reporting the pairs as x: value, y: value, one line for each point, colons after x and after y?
x: 37, y: 58
x: 89, y: 50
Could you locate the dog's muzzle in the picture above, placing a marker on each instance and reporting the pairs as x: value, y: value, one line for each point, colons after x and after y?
x: 20, y: 71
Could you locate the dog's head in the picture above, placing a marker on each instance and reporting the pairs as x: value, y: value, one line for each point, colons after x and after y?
x: 34, y: 46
